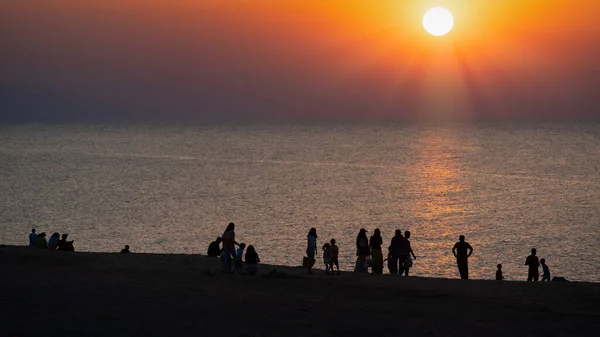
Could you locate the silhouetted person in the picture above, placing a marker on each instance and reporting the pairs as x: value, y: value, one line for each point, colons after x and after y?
x: 32, y: 238
x: 333, y: 256
x: 252, y: 261
x: 409, y: 252
x: 40, y: 241
x: 327, y: 256
x: 229, y: 243
x: 398, y: 253
x: 125, y: 250
x: 362, y: 251
x: 391, y: 264
x: 65, y: 245
x: 532, y: 261
x: 239, y: 254
x: 546, y: 270
x: 462, y: 250
x: 375, y: 244
x: 499, y: 276
x: 214, y: 249
x: 311, y: 249
x: 53, y: 241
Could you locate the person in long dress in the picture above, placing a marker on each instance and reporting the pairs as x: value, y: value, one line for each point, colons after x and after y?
x: 311, y: 249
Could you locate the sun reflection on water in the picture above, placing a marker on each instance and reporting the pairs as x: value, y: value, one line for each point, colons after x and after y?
x: 440, y: 203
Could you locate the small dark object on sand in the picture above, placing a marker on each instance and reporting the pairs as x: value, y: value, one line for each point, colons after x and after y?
x: 559, y: 279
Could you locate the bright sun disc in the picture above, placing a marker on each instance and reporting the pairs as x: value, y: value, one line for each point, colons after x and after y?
x: 438, y: 21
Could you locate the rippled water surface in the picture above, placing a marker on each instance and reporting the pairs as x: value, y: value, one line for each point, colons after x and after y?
x: 173, y: 189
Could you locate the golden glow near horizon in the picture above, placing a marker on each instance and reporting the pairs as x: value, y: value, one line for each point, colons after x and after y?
x: 438, y: 21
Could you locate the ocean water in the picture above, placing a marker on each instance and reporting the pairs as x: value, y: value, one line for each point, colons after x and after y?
x: 173, y: 189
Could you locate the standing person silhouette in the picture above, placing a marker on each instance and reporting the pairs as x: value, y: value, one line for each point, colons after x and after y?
x: 462, y: 250
x: 534, y: 263
x: 397, y: 253
x: 311, y: 248
x: 228, y: 239
x: 362, y: 251
x: 409, y: 252
x: 376, y: 254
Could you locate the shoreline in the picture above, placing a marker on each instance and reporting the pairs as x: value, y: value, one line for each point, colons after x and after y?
x: 141, y: 294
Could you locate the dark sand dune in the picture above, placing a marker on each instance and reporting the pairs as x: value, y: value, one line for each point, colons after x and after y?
x: 45, y: 293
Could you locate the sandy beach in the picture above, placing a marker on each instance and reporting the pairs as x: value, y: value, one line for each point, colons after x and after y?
x: 45, y: 293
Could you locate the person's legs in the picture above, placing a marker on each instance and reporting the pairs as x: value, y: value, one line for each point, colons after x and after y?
x: 463, y: 268
x: 311, y: 261
x: 377, y: 261
x: 360, y: 263
x: 401, y: 263
x: 227, y: 261
x: 393, y: 264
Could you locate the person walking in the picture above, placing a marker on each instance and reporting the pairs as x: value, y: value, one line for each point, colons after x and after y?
x: 462, y: 251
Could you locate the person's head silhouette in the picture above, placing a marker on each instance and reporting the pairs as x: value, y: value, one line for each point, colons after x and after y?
x: 533, y: 251
x: 398, y: 233
x: 407, y: 234
x: 461, y: 238
x: 218, y: 240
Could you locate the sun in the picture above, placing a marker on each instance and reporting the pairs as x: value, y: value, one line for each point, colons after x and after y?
x: 438, y: 21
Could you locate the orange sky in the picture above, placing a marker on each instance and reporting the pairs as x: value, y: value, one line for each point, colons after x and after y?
x: 298, y: 59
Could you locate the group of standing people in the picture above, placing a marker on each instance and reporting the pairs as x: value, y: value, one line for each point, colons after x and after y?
x: 368, y: 252
x: 56, y: 241
x: 234, y: 258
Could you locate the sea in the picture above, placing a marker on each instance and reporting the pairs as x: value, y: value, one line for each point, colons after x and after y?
x: 508, y: 187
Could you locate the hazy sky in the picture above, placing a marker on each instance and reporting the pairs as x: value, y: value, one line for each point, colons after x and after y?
x: 224, y: 60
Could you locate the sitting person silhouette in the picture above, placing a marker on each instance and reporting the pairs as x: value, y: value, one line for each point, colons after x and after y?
x: 252, y: 261
x: 65, y: 245
x: 214, y: 249
x: 546, y: 270
x: 53, y: 242
x: 40, y: 241
x: 125, y: 250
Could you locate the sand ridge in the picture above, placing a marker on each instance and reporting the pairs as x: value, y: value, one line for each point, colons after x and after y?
x: 45, y: 293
